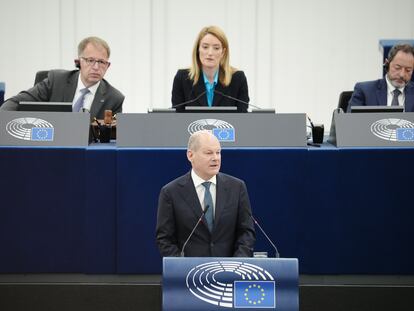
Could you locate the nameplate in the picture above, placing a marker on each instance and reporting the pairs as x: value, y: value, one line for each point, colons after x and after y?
x: 29, y: 128
x: 232, y: 129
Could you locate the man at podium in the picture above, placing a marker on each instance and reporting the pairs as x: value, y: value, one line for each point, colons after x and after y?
x: 205, y: 213
x: 396, y: 88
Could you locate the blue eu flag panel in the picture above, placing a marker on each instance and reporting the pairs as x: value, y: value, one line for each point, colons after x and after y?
x: 230, y: 284
x: 405, y: 134
x: 253, y: 294
x: 224, y: 134
x: 42, y: 134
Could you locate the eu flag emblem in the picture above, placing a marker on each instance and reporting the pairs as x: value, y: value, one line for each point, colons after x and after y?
x: 42, y: 133
x: 254, y: 294
x: 405, y: 134
x: 224, y: 134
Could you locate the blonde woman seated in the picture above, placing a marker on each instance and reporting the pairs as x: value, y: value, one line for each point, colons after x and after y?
x: 210, y: 81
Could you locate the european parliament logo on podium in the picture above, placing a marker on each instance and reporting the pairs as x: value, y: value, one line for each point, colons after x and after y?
x: 252, y: 294
x: 191, y: 283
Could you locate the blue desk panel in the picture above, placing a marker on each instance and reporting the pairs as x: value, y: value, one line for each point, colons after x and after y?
x: 42, y: 209
x: 93, y: 210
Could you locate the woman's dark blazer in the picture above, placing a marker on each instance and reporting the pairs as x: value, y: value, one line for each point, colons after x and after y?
x: 184, y: 91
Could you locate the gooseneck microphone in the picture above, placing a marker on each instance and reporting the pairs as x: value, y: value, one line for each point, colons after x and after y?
x: 277, y: 255
x: 189, y: 101
x: 310, y: 121
x: 237, y: 100
x: 195, y: 227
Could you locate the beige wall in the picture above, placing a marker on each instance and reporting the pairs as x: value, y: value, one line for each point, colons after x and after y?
x: 297, y: 55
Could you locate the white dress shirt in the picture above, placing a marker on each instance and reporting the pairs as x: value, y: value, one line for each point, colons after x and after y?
x: 390, y: 94
x: 88, y: 100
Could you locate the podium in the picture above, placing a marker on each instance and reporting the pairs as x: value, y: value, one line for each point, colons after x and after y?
x: 209, y: 283
x: 35, y: 128
x: 170, y: 130
x: 381, y: 129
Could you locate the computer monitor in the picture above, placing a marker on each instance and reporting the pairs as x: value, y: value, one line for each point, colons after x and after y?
x: 359, y: 109
x: 213, y: 109
x: 45, y: 106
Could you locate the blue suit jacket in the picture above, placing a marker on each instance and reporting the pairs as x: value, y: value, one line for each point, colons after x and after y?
x: 374, y: 93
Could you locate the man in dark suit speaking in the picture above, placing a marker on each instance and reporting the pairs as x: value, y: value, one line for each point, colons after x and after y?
x: 226, y: 228
x: 85, y: 88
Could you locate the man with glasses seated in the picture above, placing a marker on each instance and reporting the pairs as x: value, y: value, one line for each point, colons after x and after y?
x: 85, y: 88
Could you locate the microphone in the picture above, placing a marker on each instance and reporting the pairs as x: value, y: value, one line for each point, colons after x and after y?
x: 189, y: 101
x: 195, y: 227
x: 277, y: 255
x: 236, y: 99
x: 310, y: 121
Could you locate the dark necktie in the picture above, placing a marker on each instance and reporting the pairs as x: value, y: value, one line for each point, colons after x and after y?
x: 208, y: 200
x: 79, y: 103
x: 396, y: 93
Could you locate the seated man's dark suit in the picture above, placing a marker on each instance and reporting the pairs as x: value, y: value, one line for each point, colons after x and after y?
x: 179, y: 209
x: 60, y: 86
x: 184, y: 90
x: 374, y: 93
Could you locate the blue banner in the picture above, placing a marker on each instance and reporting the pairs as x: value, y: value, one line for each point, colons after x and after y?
x: 42, y: 134
x: 254, y: 294
x: 405, y: 134
x: 224, y: 134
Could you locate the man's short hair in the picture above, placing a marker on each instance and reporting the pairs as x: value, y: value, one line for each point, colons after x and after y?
x: 194, y: 140
x: 98, y: 42
x: 403, y: 47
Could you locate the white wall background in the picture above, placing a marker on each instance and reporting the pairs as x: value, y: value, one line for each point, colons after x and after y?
x: 297, y: 55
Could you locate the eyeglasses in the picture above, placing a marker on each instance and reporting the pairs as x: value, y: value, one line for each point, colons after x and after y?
x: 92, y: 62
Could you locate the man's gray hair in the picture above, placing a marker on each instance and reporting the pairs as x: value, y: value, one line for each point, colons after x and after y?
x: 95, y: 41
x: 194, y: 140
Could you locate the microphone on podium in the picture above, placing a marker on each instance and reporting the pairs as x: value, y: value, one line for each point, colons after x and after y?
x: 195, y: 227
x: 277, y: 255
x: 189, y: 101
x: 237, y: 100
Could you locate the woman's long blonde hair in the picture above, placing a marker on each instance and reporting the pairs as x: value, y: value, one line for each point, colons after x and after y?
x: 225, y: 70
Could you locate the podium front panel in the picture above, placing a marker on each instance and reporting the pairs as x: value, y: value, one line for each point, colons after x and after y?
x: 232, y: 129
x: 230, y: 284
x: 372, y: 129
x: 33, y: 128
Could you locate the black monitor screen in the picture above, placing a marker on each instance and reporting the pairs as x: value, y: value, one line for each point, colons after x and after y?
x: 357, y: 109
x: 45, y: 106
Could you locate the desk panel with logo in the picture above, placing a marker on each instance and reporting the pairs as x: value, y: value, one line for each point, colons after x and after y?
x: 372, y: 129
x: 232, y: 129
x: 230, y: 283
x: 30, y: 128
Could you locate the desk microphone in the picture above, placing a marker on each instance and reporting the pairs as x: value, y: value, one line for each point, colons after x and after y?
x: 310, y: 121
x: 236, y: 99
x: 277, y: 255
x: 192, y: 232
x: 189, y: 101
